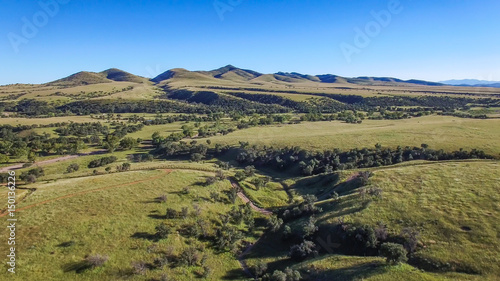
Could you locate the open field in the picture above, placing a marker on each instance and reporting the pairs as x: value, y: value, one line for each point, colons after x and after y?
x: 439, y: 132
x: 104, y: 216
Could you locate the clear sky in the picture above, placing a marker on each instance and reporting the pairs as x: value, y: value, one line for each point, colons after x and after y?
x: 422, y: 39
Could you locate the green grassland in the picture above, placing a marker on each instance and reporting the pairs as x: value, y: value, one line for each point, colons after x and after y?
x: 66, y: 216
x: 453, y: 205
x: 440, y: 132
x: 105, y: 221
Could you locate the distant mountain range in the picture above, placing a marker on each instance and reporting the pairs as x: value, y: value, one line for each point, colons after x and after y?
x: 234, y: 74
x: 472, y: 83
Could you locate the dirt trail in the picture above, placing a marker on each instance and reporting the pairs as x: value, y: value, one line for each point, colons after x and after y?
x: 86, y: 192
x: 246, y: 200
x: 50, y: 161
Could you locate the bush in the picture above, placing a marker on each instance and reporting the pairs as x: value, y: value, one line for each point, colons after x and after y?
x: 394, y: 253
x: 123, y: 168
x: 96, y: 260
x: 31, y: 179
x: 162, y: 231
x: 72, y: 168
x: 139, y: 267
x: 190, y: 256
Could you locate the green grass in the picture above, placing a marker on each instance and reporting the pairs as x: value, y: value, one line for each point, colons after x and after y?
x: 438, y: 199
x: 104, y: 222
x: 440, y: 132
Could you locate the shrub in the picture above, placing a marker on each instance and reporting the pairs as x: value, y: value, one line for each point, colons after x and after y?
x: 139, y: 267
x: 96, y: 260
x: 31, y: 179
x: 171, y: 213
x: 72, y: 168
x: 162, y: 198
x: 123, y: 168
x: 394, y: 253
x: 162, y: 231
x: 190, y: 256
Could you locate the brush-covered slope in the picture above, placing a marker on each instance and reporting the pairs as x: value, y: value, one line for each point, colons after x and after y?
x: 80, y: 79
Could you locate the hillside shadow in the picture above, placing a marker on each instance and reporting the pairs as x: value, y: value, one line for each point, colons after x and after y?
x: 319, y: 186
x: 357, y: 272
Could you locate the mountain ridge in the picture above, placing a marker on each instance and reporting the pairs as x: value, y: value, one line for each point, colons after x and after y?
x: 237, y: 75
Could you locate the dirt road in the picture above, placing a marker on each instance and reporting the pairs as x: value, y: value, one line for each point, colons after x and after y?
x: 50, y: 161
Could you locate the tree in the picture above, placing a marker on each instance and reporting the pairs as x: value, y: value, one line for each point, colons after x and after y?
x: 274, y: 223
x: 232, y: 195
x: 394, y: 253
x: 4, y: 158
x: 302, y: 251
x: 292, y: 275
x: 128, y: 143
x: 278, y: 276
x: 240, y: 175
x: 259, y: 269
x: 309, y: 227
x: 249, y: 171
x: 196, y: 157
x: 111, y: 142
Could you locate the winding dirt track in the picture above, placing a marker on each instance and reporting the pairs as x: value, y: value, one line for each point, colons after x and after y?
x: 50, y: 161
x: 246, y: 200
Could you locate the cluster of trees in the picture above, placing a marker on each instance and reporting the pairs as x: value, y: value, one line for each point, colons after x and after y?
x: 102, y: 161
x: 82, y: 129
x: 168, y: 147
x: 12, y: 145
x: 312, y: 163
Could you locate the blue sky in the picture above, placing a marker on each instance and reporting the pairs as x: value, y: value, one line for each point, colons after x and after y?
x: 424, y: 39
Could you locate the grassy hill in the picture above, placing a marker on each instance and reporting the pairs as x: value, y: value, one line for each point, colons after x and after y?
x: 79, y: 79
x: 453, y: 206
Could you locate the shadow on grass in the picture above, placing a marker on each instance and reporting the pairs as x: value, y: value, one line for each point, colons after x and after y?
x: 356, y: 272
x: 144, y: 235
x: 66, y: 244
x: 78, y: 267
x: 158, y: 217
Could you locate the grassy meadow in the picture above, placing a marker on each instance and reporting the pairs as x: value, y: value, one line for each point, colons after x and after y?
x: 112, y: 215
x: 439, y: 132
